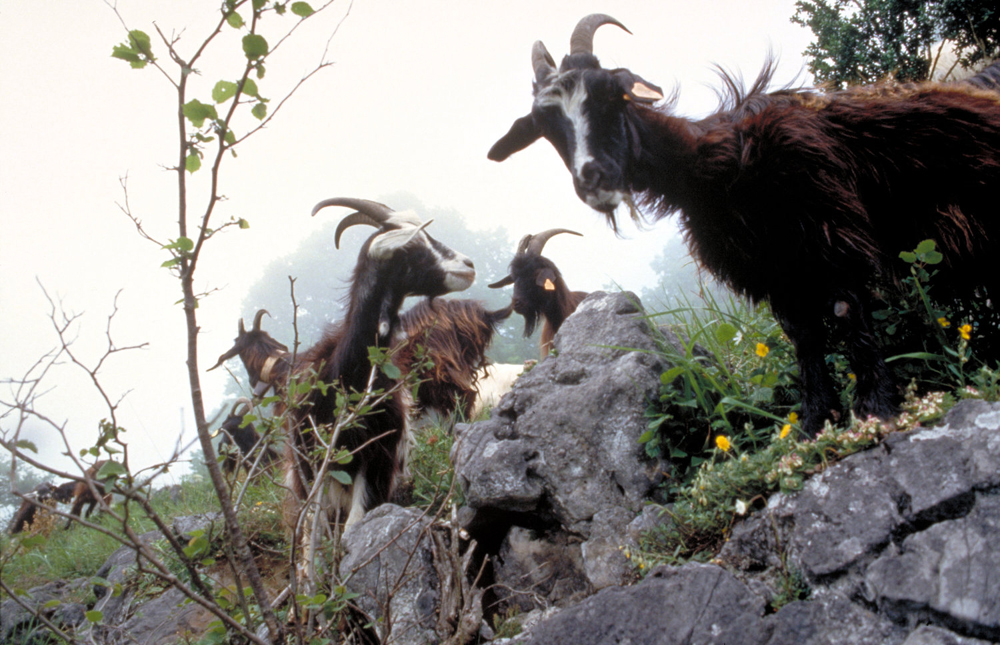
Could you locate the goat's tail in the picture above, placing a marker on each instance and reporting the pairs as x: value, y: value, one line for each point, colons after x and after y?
x: 988, y: 79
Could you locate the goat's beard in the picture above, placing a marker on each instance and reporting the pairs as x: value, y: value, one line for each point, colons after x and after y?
x: 530, y: 320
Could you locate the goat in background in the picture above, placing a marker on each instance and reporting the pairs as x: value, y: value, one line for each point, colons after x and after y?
x: 797, y: 198
x: 239, y: 441
x: 539, y: 288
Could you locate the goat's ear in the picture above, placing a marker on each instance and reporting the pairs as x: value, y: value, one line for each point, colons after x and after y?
x: 635, y: 88
x: 522, y: 134
x: 385, y: 244
x: 546, y: 279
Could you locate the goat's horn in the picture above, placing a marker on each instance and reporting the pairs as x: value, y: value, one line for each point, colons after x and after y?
x: 541, y: 62
x: 241, y: 401
x: 368, y: 212
x: 582, y: 40
x: 537, y: 242
x: 257, y: 318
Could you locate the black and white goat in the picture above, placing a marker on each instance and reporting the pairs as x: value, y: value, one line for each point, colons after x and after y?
x: 539, y: 289
x: 797, y: 198
x: 397, y: 261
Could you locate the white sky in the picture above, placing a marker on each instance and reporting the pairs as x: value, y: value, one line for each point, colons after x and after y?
x: 419, y: 92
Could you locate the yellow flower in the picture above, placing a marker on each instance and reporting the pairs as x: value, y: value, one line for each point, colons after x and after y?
x: 722, y: 442
x: 762, y: 350
x: 785, y: 430
x: 943, y: 322
x: 852, y: 376
x: 964, y: 330
x: 793, y: 417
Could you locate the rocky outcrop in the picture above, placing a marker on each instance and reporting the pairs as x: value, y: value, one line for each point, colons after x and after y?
x: 560, y: 454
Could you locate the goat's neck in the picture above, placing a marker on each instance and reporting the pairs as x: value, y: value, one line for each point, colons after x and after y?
x: 371, y: 321
x: 664, y: 151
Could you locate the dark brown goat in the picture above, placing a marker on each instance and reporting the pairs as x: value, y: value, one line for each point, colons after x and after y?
x: 453, y: 333
x: 239, y: 441
x: 539, y: 288
x: 397, y: 261
x: 43, y: 495
x: 84, y: 496
x: 797, y: 198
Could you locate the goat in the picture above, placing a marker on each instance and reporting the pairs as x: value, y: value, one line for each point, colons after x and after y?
x: 43, y: 495
x: 454, y: 335
x: 267, y: 362
x: 239, y: 441
x: 539, y: 289
x: 84, y: 496
x: 796, y: 198
x: 397, y: 261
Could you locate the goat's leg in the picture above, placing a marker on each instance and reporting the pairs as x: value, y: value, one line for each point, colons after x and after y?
x: 876, y: 393
x: 803, y: 324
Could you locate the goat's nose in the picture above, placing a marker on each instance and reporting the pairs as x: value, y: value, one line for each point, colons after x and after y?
x: 468, y: 262
x: 590, y: 177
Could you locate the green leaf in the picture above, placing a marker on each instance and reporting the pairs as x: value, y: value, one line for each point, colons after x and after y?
x: 196, y: 112
x: 52, y: 603
x: 341, y: 477
x: 302, y: 9
x: 926, y: 246
x: 668, y: 377
x: 192, y: 163
x: 243, y: 223
x: 259, y: 4
x: 933, y: 257
x: 235, y: 20
x: 94, y: 616
x: 392, y: 371
x: 259, y: 111
x: 260, y: 70
x: 223, y: 91
x: 139, y: 40
x: 725, y: 332
x: 24, y: 444
x: 170, y: 263
x: 250, y: 88
x: 254, y: 46
x: 126, y: 53
x: 33, y: 541
x: 647, y: 436
x: 907, y: 256
x: 111, y: 468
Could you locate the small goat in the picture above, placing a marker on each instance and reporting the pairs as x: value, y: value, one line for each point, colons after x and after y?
x: 397, y: 261
x: 267, y: 362
x: 796, y: 198
x: 43, y: 495
x: 239, y: 441
x: 84, y: 496
x: 539, y: 289
x: 454, y: 335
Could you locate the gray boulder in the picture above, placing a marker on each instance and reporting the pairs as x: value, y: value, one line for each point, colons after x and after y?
x: 561, y: 450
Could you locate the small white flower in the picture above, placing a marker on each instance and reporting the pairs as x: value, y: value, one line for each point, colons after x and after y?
x: 741, y: 507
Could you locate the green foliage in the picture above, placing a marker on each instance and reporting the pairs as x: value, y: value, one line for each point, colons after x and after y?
x: 434, y: 486
x: 734, y: 380
x: 860, y: 42
x: 733, y: 377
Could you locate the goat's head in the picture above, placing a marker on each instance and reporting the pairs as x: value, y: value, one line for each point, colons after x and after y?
x: 581, y: 109
x: 401, y: 252
x: 535, y: 278
x: 254, y: 343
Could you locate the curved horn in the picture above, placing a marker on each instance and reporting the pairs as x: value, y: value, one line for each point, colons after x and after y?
x: 582, y: 40
x: 541, y: 62
x: 241, y: 401
x: 537, y: 242
x: 256, y: 319
x: 368, y: 212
